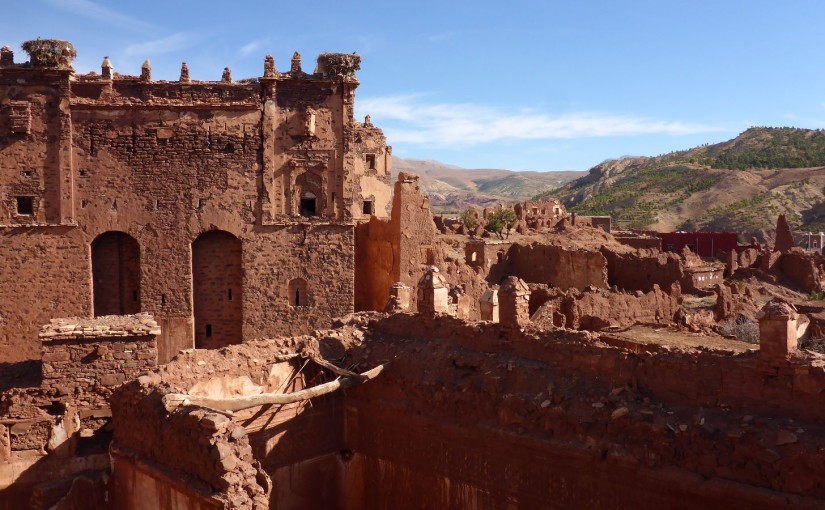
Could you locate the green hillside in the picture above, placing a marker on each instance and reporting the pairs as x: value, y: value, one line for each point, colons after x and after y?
x: 740, y: 185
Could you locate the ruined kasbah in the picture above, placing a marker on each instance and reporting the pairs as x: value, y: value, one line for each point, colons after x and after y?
x: 213, y: 297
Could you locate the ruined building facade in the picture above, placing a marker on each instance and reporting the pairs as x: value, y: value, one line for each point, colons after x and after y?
x: 225, y: 209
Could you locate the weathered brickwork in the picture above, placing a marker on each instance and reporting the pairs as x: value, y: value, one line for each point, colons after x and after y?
x: 115, y: 180
x: 53, y: 430
x: 88, y: 357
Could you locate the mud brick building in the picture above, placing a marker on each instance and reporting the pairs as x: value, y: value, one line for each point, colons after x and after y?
x: 225, y: 209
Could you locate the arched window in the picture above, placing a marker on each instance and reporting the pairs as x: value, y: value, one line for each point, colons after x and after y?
x: 297, y: 292
x: 115, y: 274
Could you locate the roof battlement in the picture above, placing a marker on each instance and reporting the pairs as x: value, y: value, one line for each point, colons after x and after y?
x: 55, y: 54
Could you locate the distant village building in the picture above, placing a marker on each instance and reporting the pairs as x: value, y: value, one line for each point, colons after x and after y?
x: 539, y: 214
x: 814, y: 242
x: 704, y: 244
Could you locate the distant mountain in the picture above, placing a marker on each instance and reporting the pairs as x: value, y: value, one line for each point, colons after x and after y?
x: 453, y: 188
x: 740, y: 185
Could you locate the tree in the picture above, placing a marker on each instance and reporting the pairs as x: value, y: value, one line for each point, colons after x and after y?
x: 502, y: 221
x: 468, y: 219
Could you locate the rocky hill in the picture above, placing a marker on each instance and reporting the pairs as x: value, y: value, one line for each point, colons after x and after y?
x: 740, y: 185
x: 453, y: 188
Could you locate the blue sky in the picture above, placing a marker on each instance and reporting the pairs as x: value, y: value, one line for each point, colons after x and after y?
x: 544, y: 85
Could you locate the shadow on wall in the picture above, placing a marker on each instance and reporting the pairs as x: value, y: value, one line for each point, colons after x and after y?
x: 301, y: 446
x: 72, y: 482
x: 20, y: 374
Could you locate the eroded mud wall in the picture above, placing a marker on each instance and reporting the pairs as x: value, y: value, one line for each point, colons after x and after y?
x: 559, y: 267
x: 558, y: 420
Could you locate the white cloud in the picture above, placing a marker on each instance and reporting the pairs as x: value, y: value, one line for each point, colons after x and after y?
x: 166, y: 44
x: 442, y: 36
x: 410, y: 119
x: 251, y: 47
x: 91, y: 10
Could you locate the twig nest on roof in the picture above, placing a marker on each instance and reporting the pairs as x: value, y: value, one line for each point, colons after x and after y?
x: 339, y: 64
x: 52, y: 53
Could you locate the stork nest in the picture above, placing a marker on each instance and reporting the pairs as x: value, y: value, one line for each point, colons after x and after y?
x: 51, y: 53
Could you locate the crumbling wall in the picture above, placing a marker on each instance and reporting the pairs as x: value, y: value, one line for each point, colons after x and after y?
x: 299, y: 446
x: 374, y: 261
x: 804, y: 269
x: 53, y: 432
x: 412, y: 246
x: 641, y: 270
x: 211, y: 450
x: 413, y: 222
x: 475, y: 415
x: 557, y: 266
x: 89, y: 357
x: 594, y: 309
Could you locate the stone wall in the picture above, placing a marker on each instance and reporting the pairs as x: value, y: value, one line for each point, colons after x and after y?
x: 89, y: 357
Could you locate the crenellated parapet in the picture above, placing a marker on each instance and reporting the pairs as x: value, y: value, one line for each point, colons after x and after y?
x: 318, y: 163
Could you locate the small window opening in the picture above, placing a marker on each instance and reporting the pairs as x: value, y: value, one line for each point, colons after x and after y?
x: 163, y: 141
x: 163, y: 300
x: 370, y: 160
x: 201, y: 203
x: 83, y: 173
x: 500, y: 256
x: 84, y: 203
x: 208, y: 331
x: 157, y: 204
x: 229, y: 149
x: 308, y: 205
x: 229, y: 295
x: 56, y: 408
x: 114, y: 205
x: 367, y: 207
x: 27, y: 173
x: 297, y: 293
x: 135, y: 296
x: 25, y: 206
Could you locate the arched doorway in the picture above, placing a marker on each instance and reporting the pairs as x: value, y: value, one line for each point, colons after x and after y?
x: 217, y: 287
x: 115, y: 274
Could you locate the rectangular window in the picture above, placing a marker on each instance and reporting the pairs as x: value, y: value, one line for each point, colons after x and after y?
x: 25, y: 206
x: 367, y: 207
x: 370, y: 160
x: 208, y: 331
